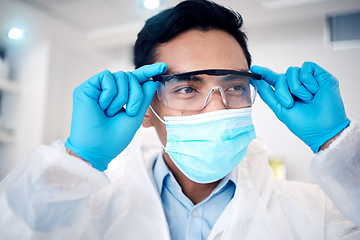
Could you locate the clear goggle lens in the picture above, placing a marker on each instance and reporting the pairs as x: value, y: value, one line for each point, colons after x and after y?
x: 193, y: 90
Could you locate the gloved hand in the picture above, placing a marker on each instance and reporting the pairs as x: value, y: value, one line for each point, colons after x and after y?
x: 101, y: 127
x: 307, y: 100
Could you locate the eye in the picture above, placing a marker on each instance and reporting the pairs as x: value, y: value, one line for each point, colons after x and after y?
x: 238, y: 87
x: 186, y: 90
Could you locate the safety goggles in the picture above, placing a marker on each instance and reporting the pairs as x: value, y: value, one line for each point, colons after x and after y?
x: 193, y: 90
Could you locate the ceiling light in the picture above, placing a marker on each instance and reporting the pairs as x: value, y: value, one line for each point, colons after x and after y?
x: 273, y: 4
x: 15, y: 33
x: 151, y: 4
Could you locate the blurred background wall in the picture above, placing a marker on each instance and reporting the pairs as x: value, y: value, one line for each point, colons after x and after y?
x: 66, y: 42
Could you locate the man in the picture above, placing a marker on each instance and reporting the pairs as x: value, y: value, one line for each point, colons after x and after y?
x: 202, y: 186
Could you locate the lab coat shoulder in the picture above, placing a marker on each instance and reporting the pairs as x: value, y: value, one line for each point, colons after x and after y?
x: 333, y: 204
x: 264, y: 207
x: 52, y: 195
x: 47, y: 196
x: 296, y: 195
x: 299, y: 206
x: 297, y: 210
x: 130, y: 207
x: 268, y: 208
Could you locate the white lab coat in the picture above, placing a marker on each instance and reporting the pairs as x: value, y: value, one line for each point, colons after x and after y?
x: 53, y: 195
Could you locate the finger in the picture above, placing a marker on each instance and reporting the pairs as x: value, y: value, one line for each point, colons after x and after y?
x: 105, y: 83
x: 121, y: 80
x: 266, y: 74
x: 320, y: 75
x: 296, y: 87
x: 135, y: 96
x: 307, y: 77
x: 149, y: 89
x: 267, y: 94
x: 282, y: 92
x: 143, y: 73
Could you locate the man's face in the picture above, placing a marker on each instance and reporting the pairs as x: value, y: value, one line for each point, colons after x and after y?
x: 190, y: 51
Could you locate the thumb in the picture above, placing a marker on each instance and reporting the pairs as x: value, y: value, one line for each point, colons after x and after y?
x: 266, y: 74
x: 143, y: 73
x: 149, y: 89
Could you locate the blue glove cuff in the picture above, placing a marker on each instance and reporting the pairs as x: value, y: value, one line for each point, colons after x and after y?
x: 315, y: 147
x: 98, y: 161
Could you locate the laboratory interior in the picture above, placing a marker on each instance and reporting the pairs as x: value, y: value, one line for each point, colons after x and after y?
x: 49, y: 47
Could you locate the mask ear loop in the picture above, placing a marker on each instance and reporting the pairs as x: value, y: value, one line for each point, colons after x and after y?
x: 160, y: 119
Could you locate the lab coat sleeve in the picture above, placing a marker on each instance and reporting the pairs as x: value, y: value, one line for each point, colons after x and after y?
x: 337, y: 171
x: 47, y: 196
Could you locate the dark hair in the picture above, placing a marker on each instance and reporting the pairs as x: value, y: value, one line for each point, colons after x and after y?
x: 192, y: 14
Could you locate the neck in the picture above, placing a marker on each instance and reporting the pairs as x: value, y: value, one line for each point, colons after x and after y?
x: 196, y: 192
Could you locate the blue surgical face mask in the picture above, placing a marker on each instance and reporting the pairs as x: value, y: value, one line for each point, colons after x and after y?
x: 206, y: 147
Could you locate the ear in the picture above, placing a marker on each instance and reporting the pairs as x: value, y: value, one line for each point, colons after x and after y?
x: 147, y: 120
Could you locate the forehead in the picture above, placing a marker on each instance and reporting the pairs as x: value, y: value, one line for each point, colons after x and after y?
x: 196, y: 50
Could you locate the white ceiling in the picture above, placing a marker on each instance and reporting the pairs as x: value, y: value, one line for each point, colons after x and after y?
x: 96, y: 15
x: 112, y: 25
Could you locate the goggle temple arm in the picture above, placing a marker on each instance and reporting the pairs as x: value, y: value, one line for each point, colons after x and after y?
x: 211, y: 72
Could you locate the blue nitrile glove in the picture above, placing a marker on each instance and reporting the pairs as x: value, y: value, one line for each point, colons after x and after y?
x: 307, y: 100
x: 101, y: 128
